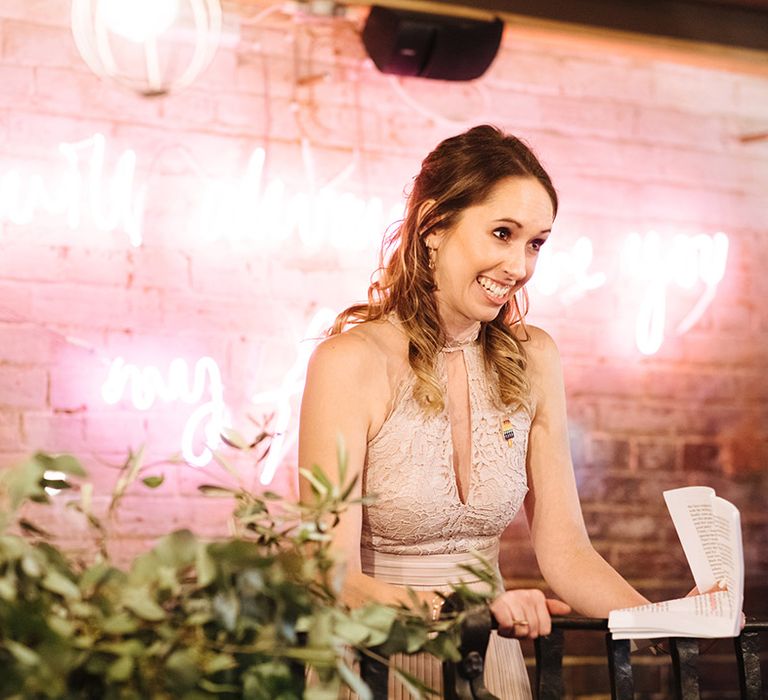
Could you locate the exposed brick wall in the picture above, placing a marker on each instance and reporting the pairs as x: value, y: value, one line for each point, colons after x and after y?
x: 633, y: 143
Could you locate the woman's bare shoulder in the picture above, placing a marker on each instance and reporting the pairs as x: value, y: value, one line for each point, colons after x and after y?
x: 540, y: 349
x: 361, y: 348
x: 535, y: 340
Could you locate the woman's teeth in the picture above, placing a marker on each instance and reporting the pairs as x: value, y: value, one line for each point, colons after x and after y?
x: 497, y: 290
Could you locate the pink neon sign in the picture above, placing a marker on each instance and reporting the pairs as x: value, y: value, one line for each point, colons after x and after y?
x: 147, y: 385
x: 265, y: 211
x: 258, y: 210
x: 250, y: 208
x: 656, y: 263
x: 84, y: 193
x: 685, y: 262
x: 202, y: 387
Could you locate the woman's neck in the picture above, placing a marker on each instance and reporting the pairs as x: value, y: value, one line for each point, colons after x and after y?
x: 465, y: 336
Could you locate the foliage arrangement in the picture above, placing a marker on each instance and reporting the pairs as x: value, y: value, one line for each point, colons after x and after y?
x: 242, y: 617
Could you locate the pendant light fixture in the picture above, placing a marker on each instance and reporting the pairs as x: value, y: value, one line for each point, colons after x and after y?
x: 151, y: 46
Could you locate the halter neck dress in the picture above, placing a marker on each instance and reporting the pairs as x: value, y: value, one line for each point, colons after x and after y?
x: 418, y: 530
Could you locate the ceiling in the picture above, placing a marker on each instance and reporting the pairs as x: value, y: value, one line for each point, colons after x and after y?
x: 728, y: 34
x: 740, y: 23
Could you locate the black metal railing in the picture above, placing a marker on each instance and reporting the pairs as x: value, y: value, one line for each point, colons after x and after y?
x: 684, y: 661
x: 464, y: 680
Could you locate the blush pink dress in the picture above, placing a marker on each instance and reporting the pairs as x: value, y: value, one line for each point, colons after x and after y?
x: 418, y: 531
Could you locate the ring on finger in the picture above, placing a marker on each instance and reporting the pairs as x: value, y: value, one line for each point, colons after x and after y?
x: 522, y: 623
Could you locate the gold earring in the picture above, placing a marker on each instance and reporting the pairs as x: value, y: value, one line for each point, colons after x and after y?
x: 432, y: 253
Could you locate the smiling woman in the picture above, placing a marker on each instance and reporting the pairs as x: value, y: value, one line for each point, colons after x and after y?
x: 453, y: 410
x: 489, y: 255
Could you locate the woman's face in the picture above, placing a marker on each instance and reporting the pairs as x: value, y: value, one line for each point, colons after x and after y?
x: 490, y: 252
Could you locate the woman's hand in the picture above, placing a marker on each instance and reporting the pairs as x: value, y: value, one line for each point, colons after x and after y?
x: 526, y: 613
x: 719, y: 586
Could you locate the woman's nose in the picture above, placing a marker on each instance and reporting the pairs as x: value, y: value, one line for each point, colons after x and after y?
x: 514, y: 263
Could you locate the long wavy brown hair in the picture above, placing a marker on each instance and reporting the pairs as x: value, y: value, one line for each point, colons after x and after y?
x: 459, y: 173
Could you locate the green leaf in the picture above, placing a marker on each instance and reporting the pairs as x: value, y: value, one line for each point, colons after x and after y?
x: 205, y: 566
x: 352, y: 632
x: 139, y: 602
x: 315, y: 656
x: 354, y: 681
x: 153, y: 482
x: 58, y: 484
x: 11, y: 547
x: 65, y: 463
x: 127, y: 647
x: 121, y: 670
x: 444, y: 647
x: 64, y: 628
x: 23, y: 482
x: 31, y: 566
x: 219, y: 688
x: 183, y: 668
x: 216, y: 491
x: 341, y: 457
x: 93, y: 576
x: 231, y: 437
x: 7, y: 589
x: 121, y: 623
x: 325, y: 692
x: 58, y: 583
x: 317, y: 484
x: 128, y: 474
x: 377, y: 615
x: 347, y: 492
x: 178, y: 549
x: 219, y: 662
x: 31, y: 529
x: 86, y: 498
x: 22, y: 653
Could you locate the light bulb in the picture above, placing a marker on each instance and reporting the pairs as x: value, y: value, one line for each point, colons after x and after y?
x: 138, y: 20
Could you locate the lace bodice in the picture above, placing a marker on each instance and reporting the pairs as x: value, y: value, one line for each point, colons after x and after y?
x: 409, y: 467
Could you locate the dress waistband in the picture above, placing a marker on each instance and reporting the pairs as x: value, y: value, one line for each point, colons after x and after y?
x: 426, y: 571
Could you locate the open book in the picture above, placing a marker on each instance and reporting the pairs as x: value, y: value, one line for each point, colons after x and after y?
x: 709, y: 529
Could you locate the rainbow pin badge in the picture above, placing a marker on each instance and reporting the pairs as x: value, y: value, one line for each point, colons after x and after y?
x: 507, y: 431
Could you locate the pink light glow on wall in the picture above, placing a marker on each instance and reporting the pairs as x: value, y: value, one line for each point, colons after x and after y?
x: 659, y: 264
x: 250, y: 208
x: 203, y: 388
x: 84, y: 193
x: 262, y: 211
x: 255, y: 210
x: 145, y: 386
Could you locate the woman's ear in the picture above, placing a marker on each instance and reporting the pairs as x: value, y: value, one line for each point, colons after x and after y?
x: 432, y: 240
x: 424, y: 208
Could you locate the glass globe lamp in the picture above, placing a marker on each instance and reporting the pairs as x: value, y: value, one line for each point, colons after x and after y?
x: 151, y: 46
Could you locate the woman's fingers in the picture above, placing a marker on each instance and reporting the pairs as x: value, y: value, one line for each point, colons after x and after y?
x: 526, y: 613
x: 720, y: 585
x: 558, y: 607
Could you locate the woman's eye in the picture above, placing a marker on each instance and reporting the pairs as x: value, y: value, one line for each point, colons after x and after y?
x: 537, y: 243
x: 502, y: 233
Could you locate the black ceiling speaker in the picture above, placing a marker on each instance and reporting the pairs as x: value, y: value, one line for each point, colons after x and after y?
x: 430, y: 46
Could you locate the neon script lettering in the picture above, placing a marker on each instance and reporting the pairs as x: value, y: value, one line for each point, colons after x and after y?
x: 147, y: 385
x: 203, y: 387
x: 685, y: 262
x: 83, y: 193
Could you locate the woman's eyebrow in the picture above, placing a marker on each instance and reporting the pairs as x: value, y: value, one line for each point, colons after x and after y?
x: 507, y: 220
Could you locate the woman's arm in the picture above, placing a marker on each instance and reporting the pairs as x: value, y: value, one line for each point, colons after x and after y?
x: 569, y: 563
x: 347, y: 394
